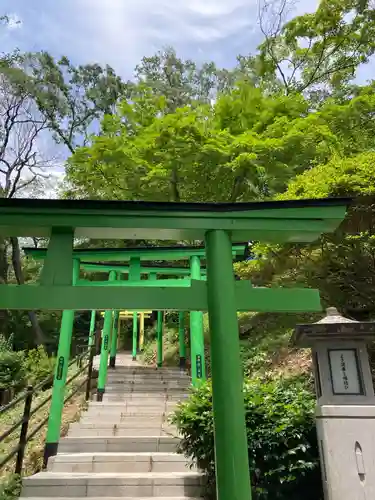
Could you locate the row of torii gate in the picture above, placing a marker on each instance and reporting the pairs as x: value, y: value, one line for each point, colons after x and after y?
x: 85, y: 259
x: 218, y: 225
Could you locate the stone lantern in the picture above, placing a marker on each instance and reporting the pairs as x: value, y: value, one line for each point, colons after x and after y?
x: 345, y: 413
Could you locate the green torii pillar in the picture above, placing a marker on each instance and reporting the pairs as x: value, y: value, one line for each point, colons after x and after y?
x: 181, y: 340
x: 61, y: 243
x: 198, y: 365
x: 115, y: 331
x: 104, y: 351
x: 92, y: 329
x: 135, y: 275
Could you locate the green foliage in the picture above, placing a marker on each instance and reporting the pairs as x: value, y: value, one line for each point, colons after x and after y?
x: 341, y: 265
x: 353, y: 176
x: 6, y: 344
x: 170, y: 346
x: 179, y: 81
x: 10, y: 489
x: 39, y: 366
x: 326, y: 46
x: 18, y: 368
x: 12, y: 370
x: 265, y: 341
x: 246, y: 147
x: 71, y: 98
x: 283, y: 452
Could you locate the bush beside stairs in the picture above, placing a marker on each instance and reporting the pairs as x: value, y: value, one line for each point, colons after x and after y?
x: 123, y: 447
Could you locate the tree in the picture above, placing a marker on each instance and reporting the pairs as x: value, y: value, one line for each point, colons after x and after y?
x: 324, y: 48
x: 21, y: 163
x: 244, y: 147
x: 72, y: 98
x: 181, y: 82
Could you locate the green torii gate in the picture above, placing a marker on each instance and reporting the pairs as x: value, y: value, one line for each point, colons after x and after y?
x: 199, y: 372
x: 215, y: 223
x: 152, y: 272
x: 134, y: 256
x: 191, y: 253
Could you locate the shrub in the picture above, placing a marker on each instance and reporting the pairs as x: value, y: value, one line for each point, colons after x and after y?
x: 6, y: 344
x: 12, y: 372
x: 282, y: 444
x: 39, y: 366
x: 10, y: 489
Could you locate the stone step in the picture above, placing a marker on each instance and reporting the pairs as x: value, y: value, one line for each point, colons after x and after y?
x: 116, y: 418
x: 120, y: 398
x: 110, y: 405
x: 146, y: 370
x: 146, y: 388
x: 129, y: 421
x: 123, y: 399
x: 146, y: 392
x: 133, y: 410
x: 152, y: 379
x: 131, y: 401
x: 139, y: 404
x: 151, y: 382
x: 115, y: 498
x: 126, y: 424
x: 147, y: 376
x: 152, y: 484
x: 143, y: 398
x: 125, y: 446
x: 118, y: 462
x: 131, y: 397
x: 120, y: 431
x: 160, y: 373
x: 128, y: 444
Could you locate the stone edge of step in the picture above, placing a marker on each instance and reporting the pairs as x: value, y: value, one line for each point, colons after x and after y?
x: 114, y: 498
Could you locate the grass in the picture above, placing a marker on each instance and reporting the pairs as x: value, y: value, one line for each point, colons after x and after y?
x: 34, y: 449
x: 170, y: 348
x: 265, y: 341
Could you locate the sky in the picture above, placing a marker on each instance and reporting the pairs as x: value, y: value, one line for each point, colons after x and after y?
x: 121, y: 32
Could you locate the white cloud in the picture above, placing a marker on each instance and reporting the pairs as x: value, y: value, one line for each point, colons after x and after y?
x: 121, y: 32
x: 14, y: 22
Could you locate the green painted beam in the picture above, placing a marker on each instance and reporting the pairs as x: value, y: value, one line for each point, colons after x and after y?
x: 145, y: 283
x: 193, y: 298
x: 178, y: 271
x: 123, y: 254
x: 282, y: 221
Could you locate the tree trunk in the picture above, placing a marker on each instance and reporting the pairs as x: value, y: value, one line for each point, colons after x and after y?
x: 3, y: 281
x: 16, y: 261
x: 174, y: 185
x: 237, y: 186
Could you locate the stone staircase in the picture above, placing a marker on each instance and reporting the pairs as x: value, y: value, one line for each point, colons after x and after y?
x: 123, y: 447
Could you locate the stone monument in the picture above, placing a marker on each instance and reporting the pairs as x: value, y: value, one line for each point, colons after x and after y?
x: 345, y: 412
